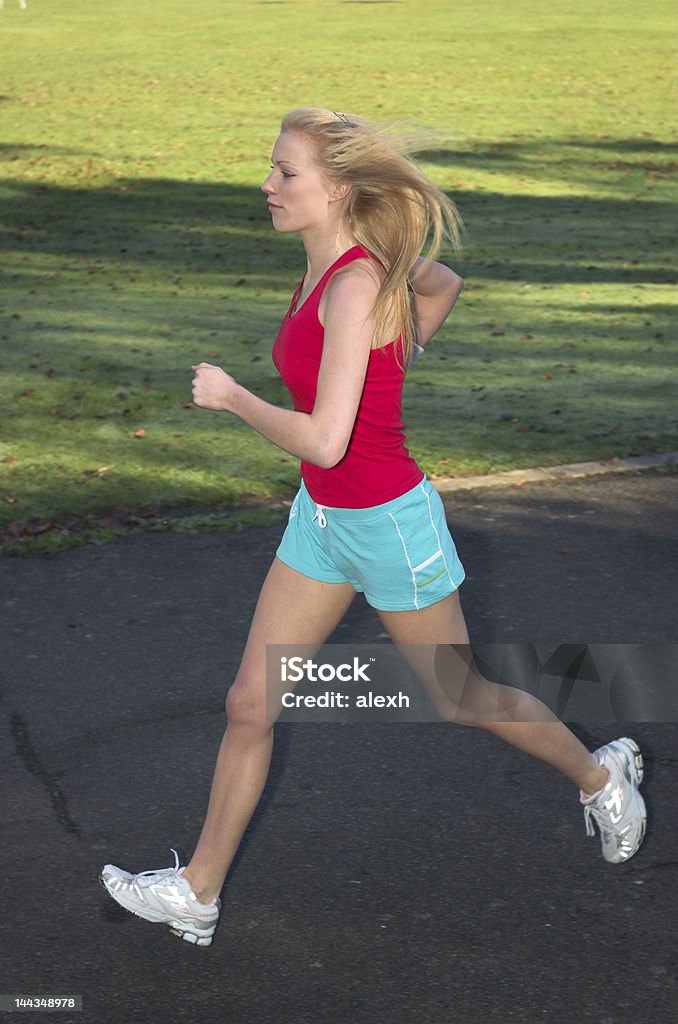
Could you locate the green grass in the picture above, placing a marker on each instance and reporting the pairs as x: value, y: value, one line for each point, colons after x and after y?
x: 135, y: 240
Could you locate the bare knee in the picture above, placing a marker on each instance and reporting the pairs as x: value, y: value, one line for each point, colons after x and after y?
x: 246, y: 705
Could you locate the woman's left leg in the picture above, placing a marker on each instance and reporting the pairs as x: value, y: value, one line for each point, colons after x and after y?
x: 436, y: 642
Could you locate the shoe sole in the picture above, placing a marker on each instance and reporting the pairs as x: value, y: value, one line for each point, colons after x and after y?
x: 634, y: 755
x: 175, y: 927
x: 636, y: 764
x: 639, y: 766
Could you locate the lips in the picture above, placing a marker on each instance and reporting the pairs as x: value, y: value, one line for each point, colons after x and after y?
x: 273, y: 206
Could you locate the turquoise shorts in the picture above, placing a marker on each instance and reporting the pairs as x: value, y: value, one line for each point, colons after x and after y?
x: 399, y: 554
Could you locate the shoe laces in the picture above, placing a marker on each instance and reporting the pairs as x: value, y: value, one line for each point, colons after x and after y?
x: 146, y: 878
x: 588, y: 814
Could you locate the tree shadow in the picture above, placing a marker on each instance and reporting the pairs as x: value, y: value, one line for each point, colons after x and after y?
x: 551, y: 151
x: 215, y: 227
x: 23, y: 148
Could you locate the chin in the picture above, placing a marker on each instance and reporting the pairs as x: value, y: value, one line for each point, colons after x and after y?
x: 285, y: 229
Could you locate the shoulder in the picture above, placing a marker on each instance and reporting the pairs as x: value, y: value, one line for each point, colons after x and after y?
x: 353, y: 287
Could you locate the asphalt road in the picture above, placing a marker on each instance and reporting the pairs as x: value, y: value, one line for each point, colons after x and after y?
x: 419, y: 873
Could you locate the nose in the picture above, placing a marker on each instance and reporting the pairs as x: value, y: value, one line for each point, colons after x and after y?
x: 267, y: 187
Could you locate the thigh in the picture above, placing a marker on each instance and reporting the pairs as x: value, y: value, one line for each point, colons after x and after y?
x: 292, y: 609
x: 440, y: 623
x: 434, y: 641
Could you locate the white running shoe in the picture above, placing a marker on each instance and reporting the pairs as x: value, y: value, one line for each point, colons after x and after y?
x: 618, y: 809
x: 165, y: 897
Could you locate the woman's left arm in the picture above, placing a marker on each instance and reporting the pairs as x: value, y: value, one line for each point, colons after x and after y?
x: 320, y: 437
x: 435, y: 289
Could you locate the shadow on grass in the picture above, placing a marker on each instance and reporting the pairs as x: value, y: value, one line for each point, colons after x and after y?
x: 222, y: 228
x: 22, y: 148
x: 523, y: 152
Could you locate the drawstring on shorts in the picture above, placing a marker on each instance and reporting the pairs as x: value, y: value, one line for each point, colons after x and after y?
x: 320, y: 515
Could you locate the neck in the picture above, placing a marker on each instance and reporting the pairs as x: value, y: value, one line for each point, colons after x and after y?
x: 323, y: 247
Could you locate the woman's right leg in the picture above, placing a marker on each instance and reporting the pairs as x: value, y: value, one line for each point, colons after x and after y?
x: 292, y: 609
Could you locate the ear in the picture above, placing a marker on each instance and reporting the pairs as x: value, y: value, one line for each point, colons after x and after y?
x: 339, y: 192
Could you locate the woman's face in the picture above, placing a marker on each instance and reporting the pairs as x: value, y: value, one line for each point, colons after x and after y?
x: 299, y: 195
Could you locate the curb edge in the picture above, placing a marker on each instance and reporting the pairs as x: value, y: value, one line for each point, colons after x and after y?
x: 573, y: 470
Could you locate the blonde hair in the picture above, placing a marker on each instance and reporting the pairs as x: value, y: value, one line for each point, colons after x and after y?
x: 393, y: 206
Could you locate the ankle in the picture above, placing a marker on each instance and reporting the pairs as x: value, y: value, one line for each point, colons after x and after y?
x: 596, y: 781
x: 203, y: 893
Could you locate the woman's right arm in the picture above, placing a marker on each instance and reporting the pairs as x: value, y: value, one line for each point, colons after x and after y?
x: 435, y: 289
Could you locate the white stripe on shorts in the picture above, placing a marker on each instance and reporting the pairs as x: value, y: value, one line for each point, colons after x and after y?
x: 428, y: 561
x: 428, y: 499
x: 402, y: 541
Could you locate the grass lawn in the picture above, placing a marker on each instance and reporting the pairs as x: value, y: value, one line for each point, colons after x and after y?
x: 135, y: 240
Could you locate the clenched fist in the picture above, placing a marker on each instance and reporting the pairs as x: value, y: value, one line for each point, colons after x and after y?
x: 213, y: 388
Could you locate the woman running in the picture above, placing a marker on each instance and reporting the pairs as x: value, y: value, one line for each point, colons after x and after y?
x: 365, y: 518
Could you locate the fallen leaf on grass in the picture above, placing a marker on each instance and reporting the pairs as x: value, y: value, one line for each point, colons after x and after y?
x: 139, y: 433
x: 10, y: 499
x: 9, y: 458
x: 36, y: 528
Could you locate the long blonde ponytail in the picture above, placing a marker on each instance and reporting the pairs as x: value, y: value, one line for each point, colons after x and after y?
x: 393, y: 206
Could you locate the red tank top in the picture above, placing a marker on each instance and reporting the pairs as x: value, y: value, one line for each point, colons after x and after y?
x: 377, y: 466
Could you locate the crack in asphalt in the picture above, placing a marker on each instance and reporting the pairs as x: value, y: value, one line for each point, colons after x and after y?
x: 31, y: 761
